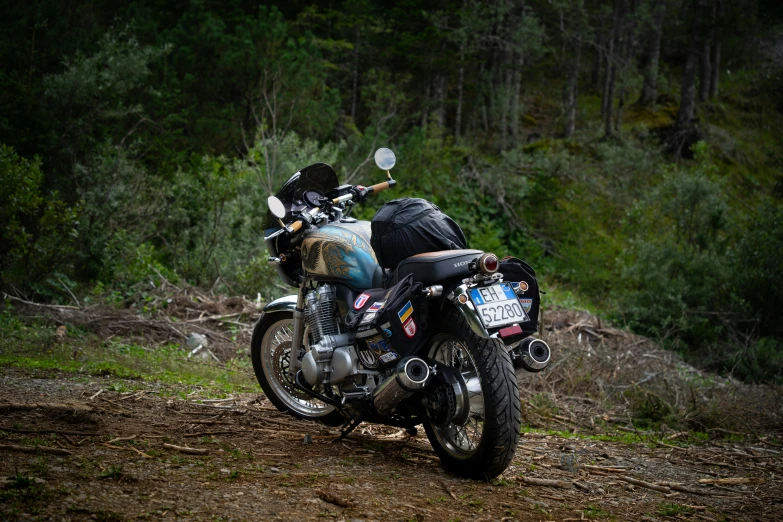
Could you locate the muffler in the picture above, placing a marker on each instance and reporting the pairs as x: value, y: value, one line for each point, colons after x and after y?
x: 531, y: 354
x: 411, y: 375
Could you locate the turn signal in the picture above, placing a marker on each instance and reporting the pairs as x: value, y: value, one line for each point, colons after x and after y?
x: 488, y: 263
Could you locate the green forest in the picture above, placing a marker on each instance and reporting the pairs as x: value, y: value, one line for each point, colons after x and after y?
x: 630, y: 150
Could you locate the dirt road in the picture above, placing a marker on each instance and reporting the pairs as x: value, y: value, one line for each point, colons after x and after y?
x: 119, y: 461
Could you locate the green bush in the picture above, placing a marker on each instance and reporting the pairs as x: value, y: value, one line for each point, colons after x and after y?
x: 37, y: 229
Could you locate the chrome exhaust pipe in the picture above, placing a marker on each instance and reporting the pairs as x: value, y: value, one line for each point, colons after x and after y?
x: 411, y: 375
x: 531, y: 354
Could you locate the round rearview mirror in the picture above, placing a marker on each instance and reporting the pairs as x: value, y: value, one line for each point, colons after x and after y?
x: 276, y: 207
x: 385, y: 159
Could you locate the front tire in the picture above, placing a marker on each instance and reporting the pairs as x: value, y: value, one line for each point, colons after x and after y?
x: 270, y: 350
x: 483, y: 446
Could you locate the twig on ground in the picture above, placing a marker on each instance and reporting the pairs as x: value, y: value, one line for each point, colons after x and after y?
x: 733, y: 480
x: 64, y: 408
x: 118, y: 439
x: 185, y: 449
x: 333, y: 499
x: 34, y: 449
x: 546, y: 482
x: 643, y: 484
x: 59, y: 432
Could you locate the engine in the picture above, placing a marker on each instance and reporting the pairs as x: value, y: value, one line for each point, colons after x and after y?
x: 331, y: 357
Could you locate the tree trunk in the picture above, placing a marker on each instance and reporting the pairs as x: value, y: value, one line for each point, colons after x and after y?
x: 598, y: 60
x: 460, y: 83
x: 717, y: 10
x: 705, y: 73
x: 684, y: 123
x: 355, y: 95
x: 626, y: 51
x: 570, y: 93
x: 515, y: 101
x: 505, y: 99
x: 653, y: 55
x: 441, y: 94
x: 425, y: 109
x: 715, y: 72
x: 611, y: 68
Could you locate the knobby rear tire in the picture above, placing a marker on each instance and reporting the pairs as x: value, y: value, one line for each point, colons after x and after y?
x: 502, y: 415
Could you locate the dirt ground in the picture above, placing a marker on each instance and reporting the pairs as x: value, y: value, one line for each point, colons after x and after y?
x: 256, y: 465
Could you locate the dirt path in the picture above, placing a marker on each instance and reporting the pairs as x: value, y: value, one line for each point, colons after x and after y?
x: 256, y: 466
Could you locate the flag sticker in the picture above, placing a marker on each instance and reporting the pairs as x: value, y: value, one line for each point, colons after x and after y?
x: 405, y: 312
x: 360, y: 301
x: 409, y: 327
x: 377, y: 305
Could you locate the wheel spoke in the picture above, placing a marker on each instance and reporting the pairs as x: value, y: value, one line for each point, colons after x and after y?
x: 276, y: 354
x: 461, y: 441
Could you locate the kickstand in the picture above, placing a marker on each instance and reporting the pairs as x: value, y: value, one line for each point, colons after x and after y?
x: 350, y: 426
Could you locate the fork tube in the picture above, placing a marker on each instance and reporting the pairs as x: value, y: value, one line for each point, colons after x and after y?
x: 299, y: 327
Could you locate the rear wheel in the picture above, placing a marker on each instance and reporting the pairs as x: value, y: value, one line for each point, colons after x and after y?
x: 483, y: 442
x: 270, y: 350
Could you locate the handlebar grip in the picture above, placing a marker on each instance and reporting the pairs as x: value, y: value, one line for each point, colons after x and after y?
x: 380, y: 187
x: 296, y: 226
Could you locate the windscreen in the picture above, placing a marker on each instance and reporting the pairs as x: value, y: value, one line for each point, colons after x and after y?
x: 319, y: 176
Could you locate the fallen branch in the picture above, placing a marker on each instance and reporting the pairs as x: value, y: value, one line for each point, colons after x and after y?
x: 35, y: 449
x: 210, y: 433
x: 55, y: 307
x: 127, y: 448
x: 449, y: 490
x: 333, y: 499
x: 605, y: 468
x: 546, y: 482
x: 733, y: 480
x: 118, y: 439
x: 642, y: 484
x: 65, y: 408
x: 185, y: 449
x: 59, y: 432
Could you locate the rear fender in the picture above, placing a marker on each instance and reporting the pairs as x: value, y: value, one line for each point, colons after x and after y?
x: 468, y: 311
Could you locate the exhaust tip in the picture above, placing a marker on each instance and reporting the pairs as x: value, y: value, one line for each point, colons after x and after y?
x: 413, y: 373
x: 532, y: 355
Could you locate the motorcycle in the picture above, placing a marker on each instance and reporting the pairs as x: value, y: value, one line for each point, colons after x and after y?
x: 433, y: 341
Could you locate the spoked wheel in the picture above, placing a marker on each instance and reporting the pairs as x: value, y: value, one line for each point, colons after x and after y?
x: 271, y: 353
x: 480, y: 441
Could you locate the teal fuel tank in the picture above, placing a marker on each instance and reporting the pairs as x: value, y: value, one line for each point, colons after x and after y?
x: 340, y: 252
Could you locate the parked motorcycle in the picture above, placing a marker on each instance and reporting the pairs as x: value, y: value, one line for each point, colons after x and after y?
x: 395, y: 322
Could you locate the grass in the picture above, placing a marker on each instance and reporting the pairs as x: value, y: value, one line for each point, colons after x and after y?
x: 35, y: 348
x: 673, y: 510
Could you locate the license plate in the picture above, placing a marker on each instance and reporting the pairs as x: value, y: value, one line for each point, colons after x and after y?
x: 497, y: 305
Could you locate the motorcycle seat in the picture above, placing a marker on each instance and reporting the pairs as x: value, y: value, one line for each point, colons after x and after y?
x: 433, y: 267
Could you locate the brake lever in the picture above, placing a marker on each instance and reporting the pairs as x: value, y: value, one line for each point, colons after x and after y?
x: 281, y: 231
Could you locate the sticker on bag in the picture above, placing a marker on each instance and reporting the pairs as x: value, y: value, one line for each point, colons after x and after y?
x: 368, y: 318
x: 527, y: 304
x: 376, y: 306
x: 368, y: 359
x: 366, y: 333
x: 361, y: 301
x: 405, y: 312
x: 388, y: 357
x: 378, y: 345
x: 409, y: 327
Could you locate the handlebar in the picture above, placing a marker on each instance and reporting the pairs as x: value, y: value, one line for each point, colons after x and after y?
x: 297, y: 225
x: 380, y: 187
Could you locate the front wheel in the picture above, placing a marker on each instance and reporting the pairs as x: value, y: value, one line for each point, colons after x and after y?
x: 270, y: 350
x: 483, y: 445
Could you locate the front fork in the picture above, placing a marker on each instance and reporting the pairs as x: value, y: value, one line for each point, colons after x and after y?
x: 299, y: 327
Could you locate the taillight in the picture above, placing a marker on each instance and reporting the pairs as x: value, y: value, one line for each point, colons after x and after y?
x: 488, y: 263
